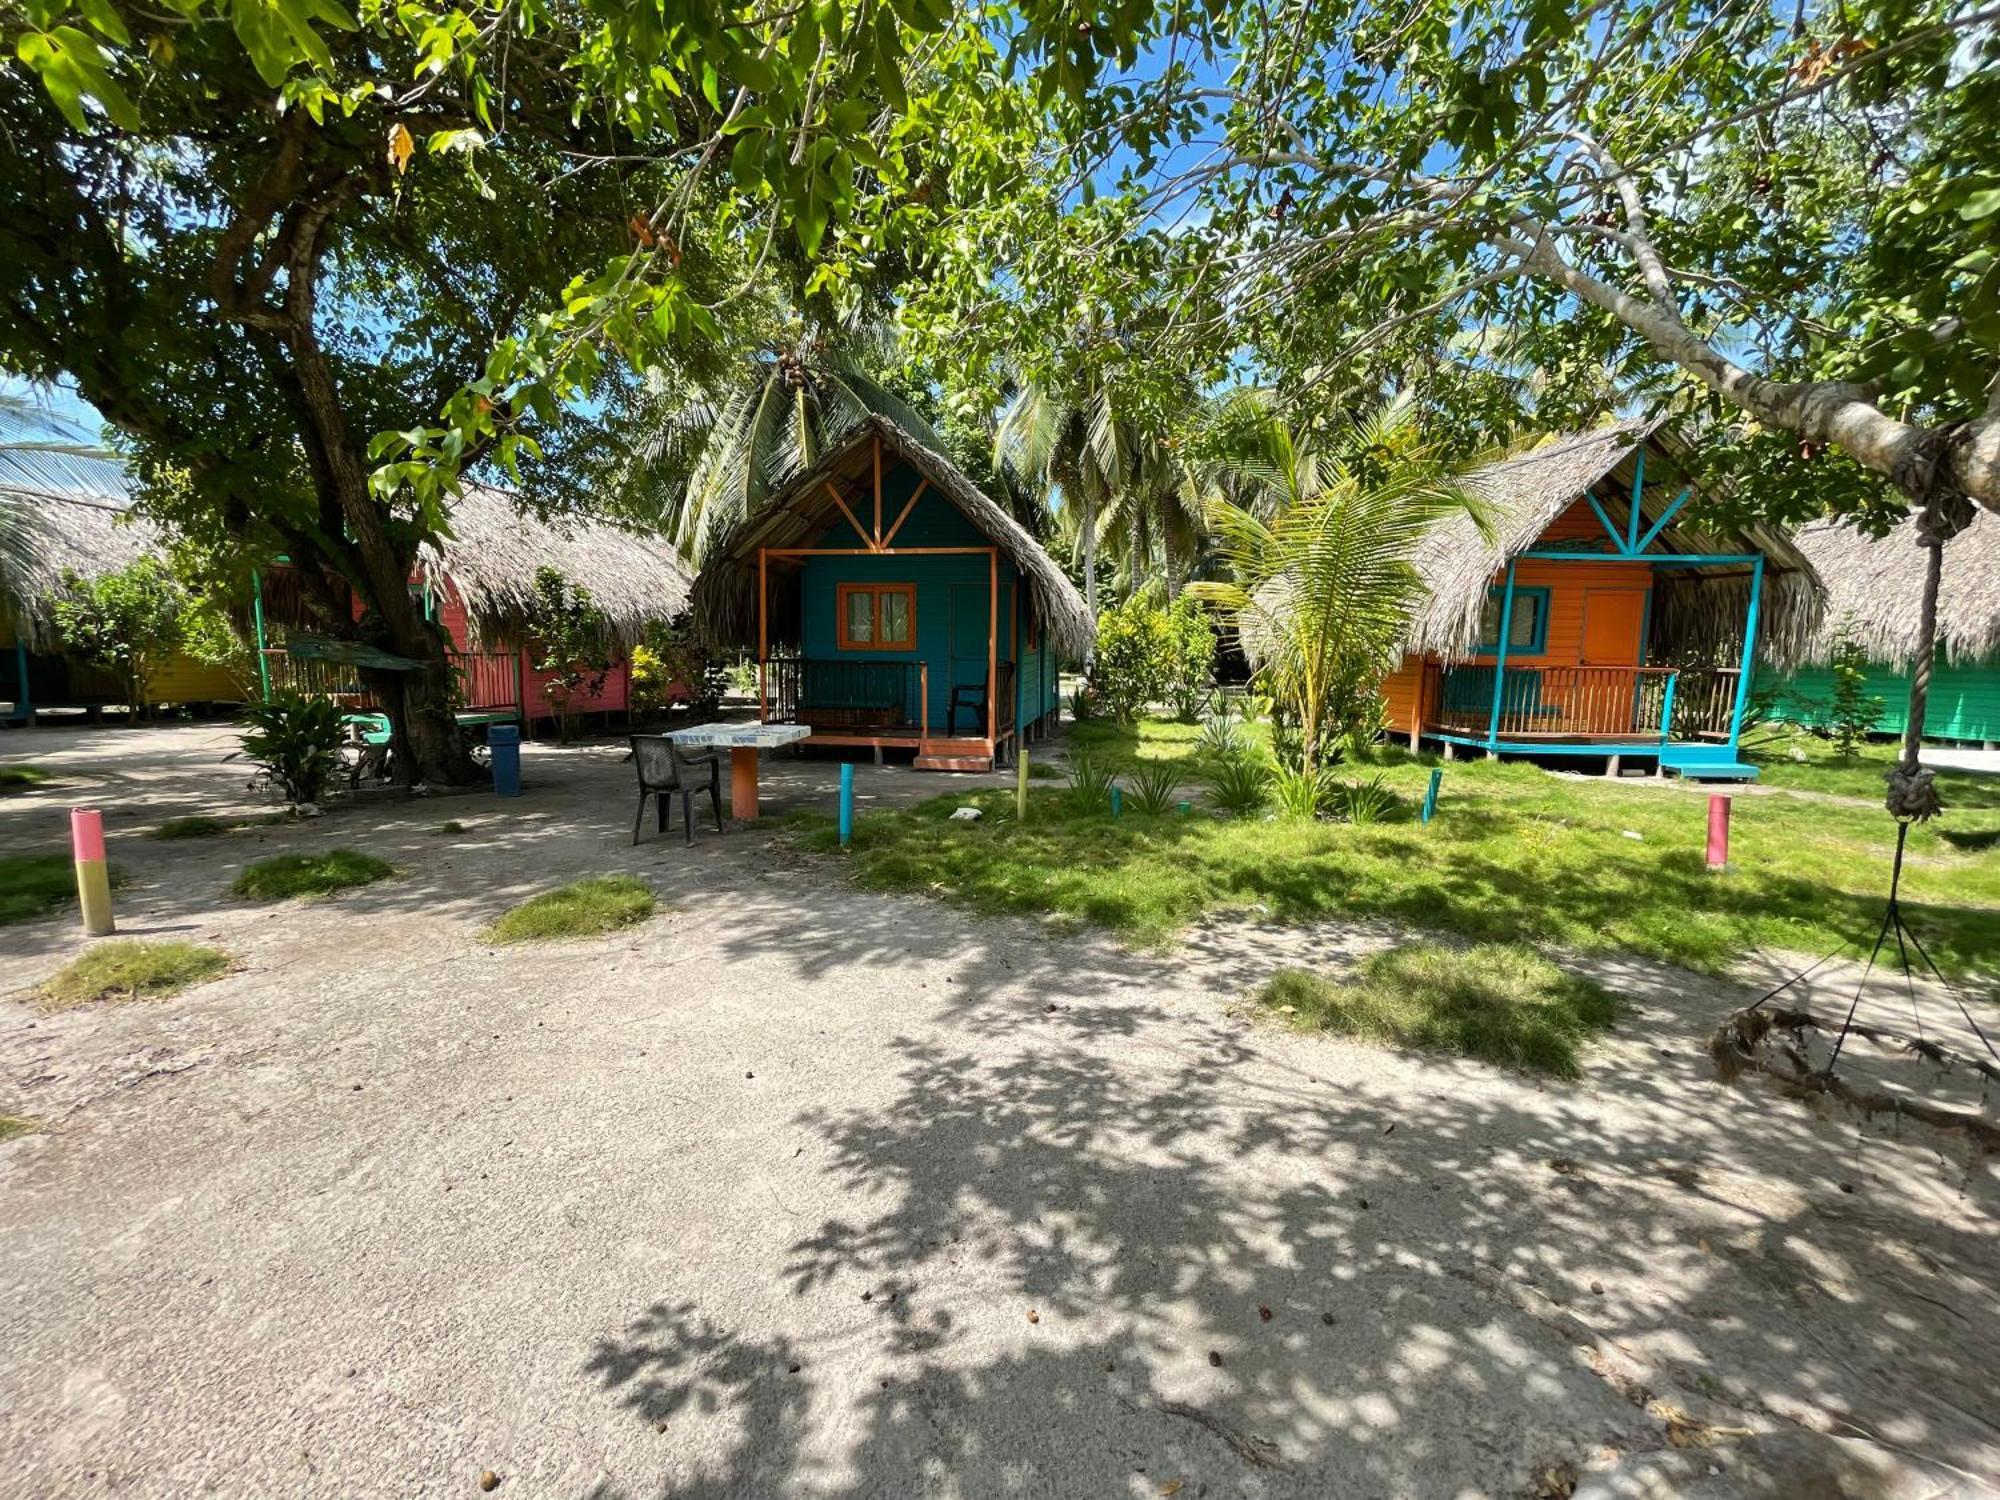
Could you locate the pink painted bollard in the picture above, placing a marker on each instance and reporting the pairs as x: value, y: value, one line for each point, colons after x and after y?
x: 1718, y: 831
x: 93, y: 874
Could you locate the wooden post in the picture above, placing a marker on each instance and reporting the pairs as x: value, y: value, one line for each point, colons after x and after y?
x: 923, y: 708
x: 1021, y: 785
x: 878, y: 489
x: 846, y: 803
x: 257, y: 616
x: 1431, y: 795
x: 763, y: 633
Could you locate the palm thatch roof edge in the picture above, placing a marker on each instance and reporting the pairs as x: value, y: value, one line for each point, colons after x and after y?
x: 725, y: 592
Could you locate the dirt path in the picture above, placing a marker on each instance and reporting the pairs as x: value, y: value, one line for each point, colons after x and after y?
x: 798, y: 1191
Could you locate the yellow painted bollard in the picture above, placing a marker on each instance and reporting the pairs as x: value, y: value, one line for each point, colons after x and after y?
x: 93, y: 875
x: 1021, y: 785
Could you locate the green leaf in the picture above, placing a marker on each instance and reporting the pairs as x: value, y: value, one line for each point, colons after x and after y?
x: 1981, y: 205
x: 105, y: 20
x: 72, y: 69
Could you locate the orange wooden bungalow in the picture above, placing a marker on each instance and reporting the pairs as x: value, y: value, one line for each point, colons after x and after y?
x: 1607, y: 615
x: 892, y: 604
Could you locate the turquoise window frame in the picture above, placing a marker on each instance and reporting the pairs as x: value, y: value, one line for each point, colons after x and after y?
x: 1540, y: 642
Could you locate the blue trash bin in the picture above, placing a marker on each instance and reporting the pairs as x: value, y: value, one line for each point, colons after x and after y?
x: 504, y: 740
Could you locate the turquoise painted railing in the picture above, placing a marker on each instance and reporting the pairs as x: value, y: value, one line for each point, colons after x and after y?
x: 1579, y: 702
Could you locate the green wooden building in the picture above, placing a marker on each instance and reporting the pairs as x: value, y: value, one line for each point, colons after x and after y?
x: 1872, y: 591
x: 894, y: 605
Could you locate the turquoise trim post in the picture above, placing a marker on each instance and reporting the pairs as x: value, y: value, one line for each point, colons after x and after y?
x: 1500, y: 658
x: 1667, y: 706
x: 1665, y: 516
x: 257, y: 612
x: 1604, y: 520
x: 1749, y: 652
x: 1638, y: 489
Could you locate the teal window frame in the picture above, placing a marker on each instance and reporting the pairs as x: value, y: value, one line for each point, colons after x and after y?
x: 1540, y: 641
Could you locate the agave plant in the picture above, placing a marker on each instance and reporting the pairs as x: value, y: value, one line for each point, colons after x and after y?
x: 1221, y: 736
x: 1368, y: 801
x: 1239, y: 786
x: 1155, y: 788
x: 1303, y: 791
x: 1089, y: 783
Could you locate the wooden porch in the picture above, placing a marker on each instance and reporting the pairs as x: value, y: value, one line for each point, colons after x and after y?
x: 1631, y: 708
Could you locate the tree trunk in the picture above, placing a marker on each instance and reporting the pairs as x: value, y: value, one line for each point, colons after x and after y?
x: 1087, y: 518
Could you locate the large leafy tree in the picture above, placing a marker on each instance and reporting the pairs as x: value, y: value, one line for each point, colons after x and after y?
x: 1787, y: 216
x: 319, y: 264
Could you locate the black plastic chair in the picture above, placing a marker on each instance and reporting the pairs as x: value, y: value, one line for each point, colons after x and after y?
x: 664, y: 771
x: 968, y: 695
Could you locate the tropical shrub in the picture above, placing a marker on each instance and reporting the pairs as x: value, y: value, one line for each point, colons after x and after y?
x: 1852, y: 711
x: 572, y: 644
x: 1146, y: 654
x: 1239, y: 785
x: 296, y: 739
x: 1155, y: 787
x: 671, y: 656
x: 1082, y: 705
x: 126, y: 623
x: 1187, y: 655
x: 1126, y: 669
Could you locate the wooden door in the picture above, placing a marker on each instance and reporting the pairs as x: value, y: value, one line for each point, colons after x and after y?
x: 1607, y: 692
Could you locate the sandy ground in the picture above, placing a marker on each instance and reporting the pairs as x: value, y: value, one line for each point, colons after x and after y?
x: 799, y: 1191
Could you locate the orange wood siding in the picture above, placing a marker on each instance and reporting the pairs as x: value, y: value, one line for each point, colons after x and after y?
x: 1567, y: 583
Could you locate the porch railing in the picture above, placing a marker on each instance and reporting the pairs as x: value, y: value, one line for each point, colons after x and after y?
x: 1558, y: 703
x: 1705, y: 702
x: 487, y: 680
x: 843, y: 696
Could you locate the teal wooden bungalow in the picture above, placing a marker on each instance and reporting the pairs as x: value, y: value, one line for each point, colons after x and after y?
x: 1604, y: 612
x: 893, y: 605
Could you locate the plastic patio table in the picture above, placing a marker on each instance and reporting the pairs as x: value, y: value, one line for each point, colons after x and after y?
x: 744, y: 742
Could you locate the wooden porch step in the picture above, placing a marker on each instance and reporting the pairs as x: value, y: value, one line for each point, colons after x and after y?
x: 979, y: 762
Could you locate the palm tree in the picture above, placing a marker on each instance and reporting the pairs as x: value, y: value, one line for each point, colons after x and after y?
x: 700, y: 460
x: 1075, y: 447
x: 1319, y: 543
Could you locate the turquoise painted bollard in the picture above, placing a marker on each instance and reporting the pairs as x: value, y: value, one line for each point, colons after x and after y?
x: 846, y: 803
x: 1118, y: 802
x: 1431, y: 795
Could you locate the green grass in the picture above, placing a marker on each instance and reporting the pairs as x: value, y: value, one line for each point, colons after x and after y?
x: 1514, y: 855
x: 192, y: 827
x: 1804, y: 762
x: 17, y: 778
x: 18, y: 1125
x: 585, y: 908
x: 454, y: 826
x: 127, y: 969
x: 1501, y: 1003
x: 287, y: 875
x: 31, y: 884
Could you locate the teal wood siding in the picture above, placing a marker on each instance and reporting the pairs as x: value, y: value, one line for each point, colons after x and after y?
x: 951, y: 591
x: 1964, y: 701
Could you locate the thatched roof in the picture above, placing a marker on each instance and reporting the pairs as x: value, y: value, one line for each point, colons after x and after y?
x: 725, y: 594
x: 72, y: 512
x: 495, y: 549
x: 1524, y: 494
x: 76, y: 514
x: 1872, y: 589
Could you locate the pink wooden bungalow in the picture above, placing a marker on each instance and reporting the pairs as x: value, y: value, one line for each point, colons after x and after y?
x: 478, y: 585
